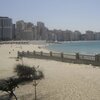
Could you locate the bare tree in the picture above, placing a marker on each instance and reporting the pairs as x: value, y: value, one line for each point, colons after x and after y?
x: 37, y: 76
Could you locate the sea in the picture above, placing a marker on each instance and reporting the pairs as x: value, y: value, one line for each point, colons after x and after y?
x: 72, y: 47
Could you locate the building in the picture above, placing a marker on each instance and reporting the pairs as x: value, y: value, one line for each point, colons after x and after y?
x: 13, y: 32
x: 76, y: 36
x: 51, y: 36
x: 59, y: 35
x: 97, y: 36
x: 90, y: 35
x: 41, y: 31
x: 83, y: 36
x: 28, y: 33
x: 20, y: 26
x: 5, y: 28
x: 67, y: 35
x: 24, y: 30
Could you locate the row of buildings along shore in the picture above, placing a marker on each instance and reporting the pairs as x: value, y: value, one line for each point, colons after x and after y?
x: 22, y: 30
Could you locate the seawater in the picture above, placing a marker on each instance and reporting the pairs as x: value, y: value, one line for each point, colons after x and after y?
x: 71, y: 47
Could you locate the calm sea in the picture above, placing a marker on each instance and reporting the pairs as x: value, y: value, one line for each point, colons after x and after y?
x: 83, y: 47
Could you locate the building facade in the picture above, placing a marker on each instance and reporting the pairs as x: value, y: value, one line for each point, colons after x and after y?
x: 5, y: 28
x: 97, y: 36
x: 24, y: 30
x: 41, y: 31
x: 90, y: 35
x: 13, y: 32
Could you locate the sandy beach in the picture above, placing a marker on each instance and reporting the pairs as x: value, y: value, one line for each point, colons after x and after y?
x: 63, y: 81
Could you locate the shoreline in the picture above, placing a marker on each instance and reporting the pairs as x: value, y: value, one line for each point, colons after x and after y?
x: 45, y: 45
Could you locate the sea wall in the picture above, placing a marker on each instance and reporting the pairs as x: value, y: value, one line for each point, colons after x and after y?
x: 75, y: 58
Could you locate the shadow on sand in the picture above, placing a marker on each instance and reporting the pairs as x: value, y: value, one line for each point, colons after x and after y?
x: 4, y: 97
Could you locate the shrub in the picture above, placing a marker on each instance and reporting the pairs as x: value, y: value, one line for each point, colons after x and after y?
x: 24, y: 71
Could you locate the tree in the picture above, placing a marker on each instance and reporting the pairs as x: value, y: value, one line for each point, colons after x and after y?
x: 26, y: 73
x: 37, y: 76
x: 9, y: 86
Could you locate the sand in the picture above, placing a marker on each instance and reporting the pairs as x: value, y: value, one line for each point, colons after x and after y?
x: 63, y: 81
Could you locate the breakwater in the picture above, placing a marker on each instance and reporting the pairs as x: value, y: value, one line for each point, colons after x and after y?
x: 70, y: 58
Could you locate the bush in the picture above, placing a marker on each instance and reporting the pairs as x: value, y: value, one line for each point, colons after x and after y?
x: 24, y: 71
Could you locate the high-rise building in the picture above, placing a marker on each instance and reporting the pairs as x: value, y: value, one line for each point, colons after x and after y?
x: 51, y: 36
x: 24, y: 30
x: 41, y: 31
x: 90, y: 35
x: 20, y: 25
x: 13, y: 32
x: 67, y: 35
x: 76, y: 36
x: 97, y: 36
x: 5, y: 28
x: 59, y: 35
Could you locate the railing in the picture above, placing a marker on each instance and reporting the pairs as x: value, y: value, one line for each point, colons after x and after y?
x: 76, y: 58
x: 69, y: 56
x: 87, y: 57
x: 56, y: 54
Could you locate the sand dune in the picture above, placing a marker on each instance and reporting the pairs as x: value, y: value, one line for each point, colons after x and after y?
x: 63, y: 81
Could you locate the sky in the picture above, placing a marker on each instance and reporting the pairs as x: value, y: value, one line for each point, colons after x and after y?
x: 74, y: 15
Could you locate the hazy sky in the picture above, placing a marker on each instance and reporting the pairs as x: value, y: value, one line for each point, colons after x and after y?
x: 60, y: 14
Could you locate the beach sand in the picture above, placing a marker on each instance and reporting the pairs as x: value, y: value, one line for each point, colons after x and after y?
x: 63, y: 81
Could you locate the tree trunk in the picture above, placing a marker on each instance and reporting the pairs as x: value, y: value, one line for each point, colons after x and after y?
x: 22, y: 60
x: 35, y: 90
x: 11, y: 95
x: 15, y: 96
